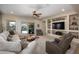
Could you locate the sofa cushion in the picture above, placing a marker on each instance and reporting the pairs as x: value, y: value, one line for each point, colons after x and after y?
x: 57, y: 40
x: 2, y: 39
x: 10, y: 46
x: 6, y: 52
x: 66, y: 37
x: 5, y: 35
x: 9, y: 38
x: 30, y: 48
x: 23, y: 43
x: 15, y: 38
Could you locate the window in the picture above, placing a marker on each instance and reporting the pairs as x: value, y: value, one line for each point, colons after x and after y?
x: 11, y: 25
x: 24, y: 29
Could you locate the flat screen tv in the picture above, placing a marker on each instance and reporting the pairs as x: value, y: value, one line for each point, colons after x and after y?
x: 58, y: 25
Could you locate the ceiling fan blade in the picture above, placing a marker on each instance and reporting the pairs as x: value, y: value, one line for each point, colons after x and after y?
x: 39, y: 13
x: 34, y: 12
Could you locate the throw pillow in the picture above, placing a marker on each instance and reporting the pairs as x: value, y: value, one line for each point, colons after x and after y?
x: 9, y: 38
x: 57, y: 40
x: 23, y: 44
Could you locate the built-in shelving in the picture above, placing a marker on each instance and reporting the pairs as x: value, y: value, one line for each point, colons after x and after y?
x: 49, y: 26
x: 71, y: 25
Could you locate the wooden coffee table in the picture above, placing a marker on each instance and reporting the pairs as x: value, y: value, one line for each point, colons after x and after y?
x: 32, y: 38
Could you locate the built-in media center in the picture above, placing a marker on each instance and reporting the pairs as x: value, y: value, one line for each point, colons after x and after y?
x: 56, y: 26
x: 60, y: 25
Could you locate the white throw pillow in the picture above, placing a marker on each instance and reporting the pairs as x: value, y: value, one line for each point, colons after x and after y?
x: 2, y: 39
x: 15, y: 38
x: 5, y: 35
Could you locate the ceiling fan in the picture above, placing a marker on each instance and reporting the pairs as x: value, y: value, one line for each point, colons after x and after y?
x: 36, y: 14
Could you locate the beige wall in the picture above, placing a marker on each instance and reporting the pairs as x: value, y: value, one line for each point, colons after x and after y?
x: 18, y: 20
x: 1, y: 22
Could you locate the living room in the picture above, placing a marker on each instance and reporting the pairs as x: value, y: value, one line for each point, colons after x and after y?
x: 39, y: 29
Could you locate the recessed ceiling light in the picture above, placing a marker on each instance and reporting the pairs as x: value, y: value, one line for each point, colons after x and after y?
x: 63, y: 10
x: 11, y: 12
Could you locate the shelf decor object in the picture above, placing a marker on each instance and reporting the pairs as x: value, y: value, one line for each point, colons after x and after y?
x: 49, y: 23
x: 58, y: 18
x: 49, y: 26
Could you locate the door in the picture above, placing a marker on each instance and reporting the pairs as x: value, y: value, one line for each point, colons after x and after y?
x: 31, y: 28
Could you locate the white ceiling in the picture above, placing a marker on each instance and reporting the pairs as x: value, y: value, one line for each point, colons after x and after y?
x: 27, y: 9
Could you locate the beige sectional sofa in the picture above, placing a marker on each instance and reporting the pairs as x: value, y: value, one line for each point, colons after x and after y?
x: 14, y: 46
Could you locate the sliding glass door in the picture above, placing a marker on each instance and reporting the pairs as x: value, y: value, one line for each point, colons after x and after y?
x: 27, y: 28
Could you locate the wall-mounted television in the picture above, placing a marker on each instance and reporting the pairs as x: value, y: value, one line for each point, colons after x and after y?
x: 58, y: 25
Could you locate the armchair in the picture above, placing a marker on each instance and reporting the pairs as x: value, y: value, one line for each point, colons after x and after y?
x: 61, y: 47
